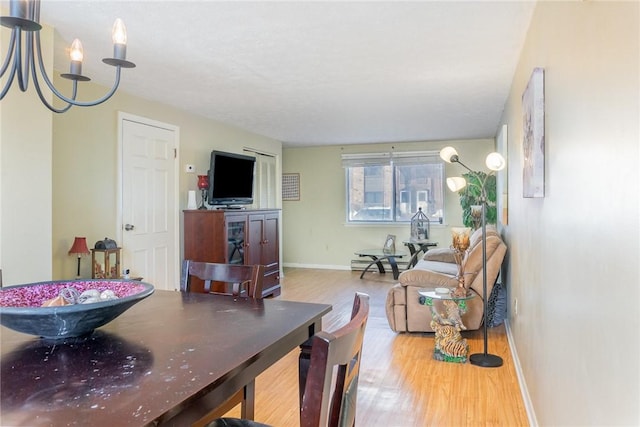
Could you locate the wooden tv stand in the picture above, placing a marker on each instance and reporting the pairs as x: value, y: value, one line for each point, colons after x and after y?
x: 235, y: 236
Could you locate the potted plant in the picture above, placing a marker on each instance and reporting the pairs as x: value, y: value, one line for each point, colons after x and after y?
x: 470, y: 197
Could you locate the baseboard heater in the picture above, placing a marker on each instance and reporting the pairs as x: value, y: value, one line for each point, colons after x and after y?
x: 362, y: 263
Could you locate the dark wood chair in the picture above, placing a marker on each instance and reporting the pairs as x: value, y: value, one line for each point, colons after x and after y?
x: 240, y: 276
x: 245, y: 280
x: 333, y: 355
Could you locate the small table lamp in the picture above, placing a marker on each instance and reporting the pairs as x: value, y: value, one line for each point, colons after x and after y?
x: 203, y: 185
x: 79, y: 248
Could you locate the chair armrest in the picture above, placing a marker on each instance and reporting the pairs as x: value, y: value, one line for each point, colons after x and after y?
x: 426, y: 279
x: 440, y: 254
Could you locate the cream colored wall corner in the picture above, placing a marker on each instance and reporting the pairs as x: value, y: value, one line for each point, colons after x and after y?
x: 315, y: 232
x: 25, y: 179
x: 573, y: 255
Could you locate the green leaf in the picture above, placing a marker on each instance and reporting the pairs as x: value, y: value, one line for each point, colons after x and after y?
x: 471, y: 194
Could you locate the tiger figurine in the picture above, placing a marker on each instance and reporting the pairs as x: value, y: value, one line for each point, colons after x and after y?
x: 449, y: 341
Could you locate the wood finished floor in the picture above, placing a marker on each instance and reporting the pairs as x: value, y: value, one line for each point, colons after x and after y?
x: 400, y: 384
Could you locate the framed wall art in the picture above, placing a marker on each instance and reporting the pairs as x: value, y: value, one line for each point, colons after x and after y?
x: 533, y: 143
x: 290, y: 186
x: 502, y: 176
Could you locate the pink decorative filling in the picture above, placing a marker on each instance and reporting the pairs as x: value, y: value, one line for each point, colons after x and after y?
x: 34, y: 296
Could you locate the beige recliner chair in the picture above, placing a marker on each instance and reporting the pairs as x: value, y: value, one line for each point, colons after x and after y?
x: 438, y: 269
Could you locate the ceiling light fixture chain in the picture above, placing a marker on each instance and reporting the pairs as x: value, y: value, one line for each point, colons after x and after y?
x: 25, y: 28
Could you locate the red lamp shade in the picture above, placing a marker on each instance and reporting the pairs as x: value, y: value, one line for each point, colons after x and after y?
x: 79, y: 246
x: 203, y: 182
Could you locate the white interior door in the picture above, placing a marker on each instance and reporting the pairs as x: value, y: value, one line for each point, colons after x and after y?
x: 149, y: 199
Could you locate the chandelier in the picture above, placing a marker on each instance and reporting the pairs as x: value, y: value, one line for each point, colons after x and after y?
x: 24, y: 49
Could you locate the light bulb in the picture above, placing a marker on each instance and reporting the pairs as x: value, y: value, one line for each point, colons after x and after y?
x: 76, y: 53
x: 447, y: 154
x: 119, y: 33
x: 495, y: 162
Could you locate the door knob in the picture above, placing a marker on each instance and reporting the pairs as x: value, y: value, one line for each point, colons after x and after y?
x: 128, y: 227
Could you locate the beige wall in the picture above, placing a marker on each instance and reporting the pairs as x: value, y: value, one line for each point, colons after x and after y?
x: 25, y: 179
x: 574, y: 253
x: 85, y: 171
x: 315, y: 233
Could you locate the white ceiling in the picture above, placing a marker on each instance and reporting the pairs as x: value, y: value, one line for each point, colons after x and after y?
x: 312, y: 73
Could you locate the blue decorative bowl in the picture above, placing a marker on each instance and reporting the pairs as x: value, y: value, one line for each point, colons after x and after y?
x: 21, y: 310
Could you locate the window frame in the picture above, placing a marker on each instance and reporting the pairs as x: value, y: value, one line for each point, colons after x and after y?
x: 395, y: 160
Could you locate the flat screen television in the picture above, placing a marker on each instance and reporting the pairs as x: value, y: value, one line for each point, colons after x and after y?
x: 231, y: 179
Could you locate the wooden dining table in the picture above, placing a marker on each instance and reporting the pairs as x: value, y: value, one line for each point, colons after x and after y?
x: 168, y: 360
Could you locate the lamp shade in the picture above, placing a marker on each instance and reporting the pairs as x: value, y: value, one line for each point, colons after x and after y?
x: 79, y: 246
x: 448, y: 154
x: 495, y: 162
x: 203, y: 182
x: 456, y: 183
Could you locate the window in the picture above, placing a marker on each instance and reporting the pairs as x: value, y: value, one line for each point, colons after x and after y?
x: 390, y: 187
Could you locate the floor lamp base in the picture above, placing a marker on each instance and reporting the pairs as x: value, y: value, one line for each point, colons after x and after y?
x: 485, y: 360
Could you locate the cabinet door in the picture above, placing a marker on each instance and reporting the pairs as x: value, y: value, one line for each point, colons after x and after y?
x: 270, y: 251
x: 255, y: 237
x: 236, y: 228
x: 203, y: 232
x: 204, y: 241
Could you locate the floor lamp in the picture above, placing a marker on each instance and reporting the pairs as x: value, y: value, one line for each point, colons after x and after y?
x: 494, y: 162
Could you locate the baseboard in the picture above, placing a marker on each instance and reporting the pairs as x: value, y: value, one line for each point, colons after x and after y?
x: 316, y: 266
x: 356, y: 265
x: 528, y: 405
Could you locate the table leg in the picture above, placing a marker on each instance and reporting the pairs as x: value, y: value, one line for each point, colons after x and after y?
x: 413, y: 261
x: 415, y: 253
x: 394, y: 266
x: 247, y: 409
x: 378, y: 262
x: 412, y: 248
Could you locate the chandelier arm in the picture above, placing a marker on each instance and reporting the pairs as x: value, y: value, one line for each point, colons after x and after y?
x: 11, y: 75
x: 23, y: 75
x: 98, y: 101
x: 6, y: 87
x: 7, y: 59
x: 29, y: 59
x: 44, y: 100
x: 72, y: 100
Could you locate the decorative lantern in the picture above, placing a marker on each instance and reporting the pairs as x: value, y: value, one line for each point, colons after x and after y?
x: 420, y: 226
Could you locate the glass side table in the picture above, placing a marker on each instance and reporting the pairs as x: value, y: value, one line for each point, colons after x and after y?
x: 447, y: 323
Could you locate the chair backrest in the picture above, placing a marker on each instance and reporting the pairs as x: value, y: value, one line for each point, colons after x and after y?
x: 335, y: 360
x: 239, y: 275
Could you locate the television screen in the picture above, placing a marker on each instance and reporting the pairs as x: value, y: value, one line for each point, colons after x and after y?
x: 231, y: 179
